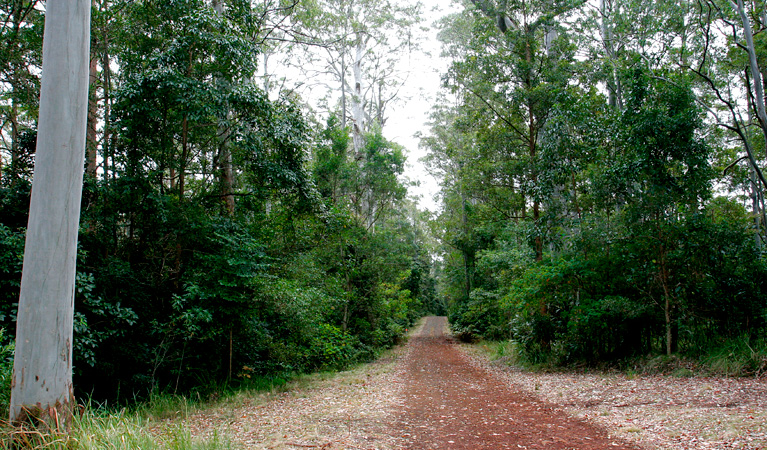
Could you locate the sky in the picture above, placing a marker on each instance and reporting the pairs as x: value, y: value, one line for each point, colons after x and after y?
x: 406, y: 116
x: 410, y: 116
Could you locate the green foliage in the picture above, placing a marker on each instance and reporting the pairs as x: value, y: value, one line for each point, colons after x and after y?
x: 628, y: 254
x: 480, y: 316
x: 739, y: 356
x: 662, y: 154
x: 6, y: 369
x: 331, y: 348
x: 11, y: 257
x: 188, y: 281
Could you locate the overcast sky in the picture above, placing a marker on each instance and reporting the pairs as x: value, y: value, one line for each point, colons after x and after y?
x: 408, y: 115
x: 411, y: 116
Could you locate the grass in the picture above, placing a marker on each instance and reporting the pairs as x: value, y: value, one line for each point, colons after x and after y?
x: 155, y: 424
x: 104, y: 429
x: 737, y: 357
x: 149, y: 425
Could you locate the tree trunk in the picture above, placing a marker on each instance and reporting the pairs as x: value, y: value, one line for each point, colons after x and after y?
x: 184, y: 156
x: 468, y: 258
x: 90, y: 140
x: 226, y: 174
x: 15, y: 148
x: 532, y: 149
x: 42, y: 372
x: 357, y: 103
x: 106, y: 86
x: 669, y: 334
x: 343, y: 89
x: 756, y: 75
x: 614, y: 89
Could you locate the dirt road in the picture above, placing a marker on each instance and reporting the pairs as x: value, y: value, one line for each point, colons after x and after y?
x: 450, y: 403
x: 432, y: 394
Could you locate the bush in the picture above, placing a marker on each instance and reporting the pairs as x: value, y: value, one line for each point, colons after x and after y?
x: 6, y: 370
x: 332, y: 349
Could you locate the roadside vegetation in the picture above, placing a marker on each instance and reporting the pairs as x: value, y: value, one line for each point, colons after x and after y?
x: 603, y: 198
x: 231, y: 235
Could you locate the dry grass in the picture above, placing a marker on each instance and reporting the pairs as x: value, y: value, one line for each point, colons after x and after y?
x: 350, y: 409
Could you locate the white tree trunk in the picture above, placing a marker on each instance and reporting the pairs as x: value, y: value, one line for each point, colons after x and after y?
x: 615, y: 96
x: 756, y: 75
x: 357, y: 103
x: 42, y: 372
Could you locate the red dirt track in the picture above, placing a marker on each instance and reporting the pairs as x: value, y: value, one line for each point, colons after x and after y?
x: 451, y: 403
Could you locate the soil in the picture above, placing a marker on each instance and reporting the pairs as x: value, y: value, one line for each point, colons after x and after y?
x: 434, y: 393
x: 450, y: 403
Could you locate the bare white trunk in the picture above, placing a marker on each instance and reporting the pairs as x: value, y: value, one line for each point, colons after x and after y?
x: 265, y: 65
x: 42, y: 372
x: 367, y: 208
x: 756, y: 75
x: 343, y: 89
x: 357, y: 103
x: 548, y: 40
x: 614, y: 93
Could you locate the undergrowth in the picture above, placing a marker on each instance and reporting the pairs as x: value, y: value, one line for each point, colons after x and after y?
x: 738, y: 357
x: 149, y: 425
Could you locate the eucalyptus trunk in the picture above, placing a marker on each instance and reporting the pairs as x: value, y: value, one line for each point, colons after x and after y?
x: 756, y: 75
x: 226, y: 173
x: 357, y: 103
x: 42, y: 372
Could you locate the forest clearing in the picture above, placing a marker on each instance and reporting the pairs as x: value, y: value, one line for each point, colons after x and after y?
x: 406, y: 400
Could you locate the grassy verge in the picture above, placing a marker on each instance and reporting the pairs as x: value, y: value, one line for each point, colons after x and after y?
x: 737, y: 357
x: 142, y: 426
x: 99, y: 429
x: 158, y: 423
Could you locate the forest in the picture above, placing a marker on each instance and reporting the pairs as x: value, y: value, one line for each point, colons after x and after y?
x: 601, y: 168
x: 603, y: 179
x: 227, y: 232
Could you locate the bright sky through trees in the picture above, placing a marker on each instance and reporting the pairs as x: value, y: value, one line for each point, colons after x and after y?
x: 411, y: 116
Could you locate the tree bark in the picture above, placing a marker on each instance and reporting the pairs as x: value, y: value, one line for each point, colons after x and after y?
x: 614, y: 94
x: 184, y: 157
x: 107, y: 85
x: 90, y: 141
x: 42, y: 372
x: 357, y: 104
x: 756, y: 75
x: 226, y: 173
x: 15, y: 148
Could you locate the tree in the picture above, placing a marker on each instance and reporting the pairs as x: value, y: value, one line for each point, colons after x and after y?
x: 42, y: 373
x: 19, y: 67
x: 666, y: 171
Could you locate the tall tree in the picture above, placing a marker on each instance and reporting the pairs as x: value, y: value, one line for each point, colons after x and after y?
x: 509, y: 72
x: 42, y: 373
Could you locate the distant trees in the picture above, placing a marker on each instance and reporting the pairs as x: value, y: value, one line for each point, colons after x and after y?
x: 20, y: 59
